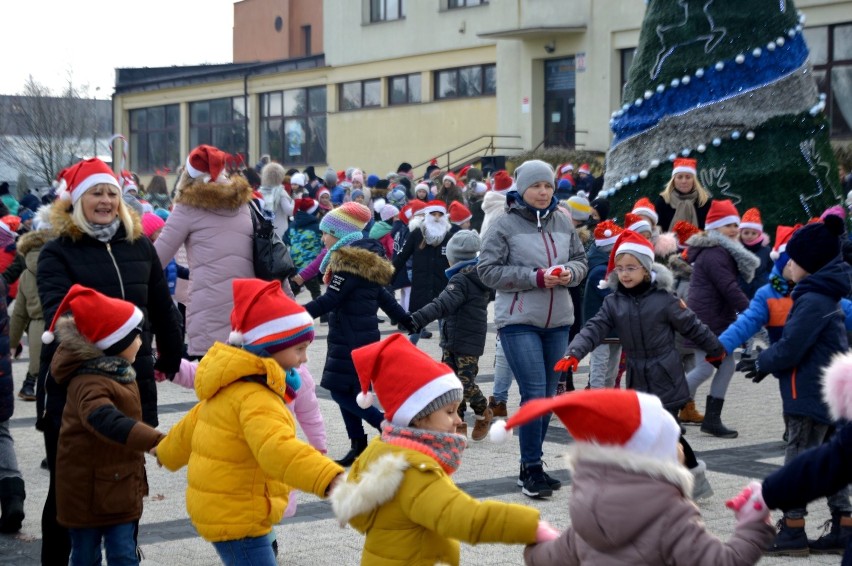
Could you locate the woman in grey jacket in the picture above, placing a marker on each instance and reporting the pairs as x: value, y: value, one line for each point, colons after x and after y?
x: 533, y: 309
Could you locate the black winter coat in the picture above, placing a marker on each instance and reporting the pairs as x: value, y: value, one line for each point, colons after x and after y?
x: 666, y: 212
x: 7, y: 386
x: 463, y: 305
x: 428, y: 267
x: 356, y: 290
x: 399, y: 232
x: 125, y: 268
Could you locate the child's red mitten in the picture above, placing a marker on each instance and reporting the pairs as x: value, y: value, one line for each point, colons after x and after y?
x: 568, y: 363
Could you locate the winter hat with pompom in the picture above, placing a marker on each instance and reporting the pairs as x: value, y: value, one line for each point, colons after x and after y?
x: 407, y: 381
x: 502, y: 182
x: 779, y: 252
x: 606, y: 233
x: 75, y: 180
x: 815, y: 245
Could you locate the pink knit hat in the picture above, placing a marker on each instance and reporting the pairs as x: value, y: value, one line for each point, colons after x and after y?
x: 151, y: 223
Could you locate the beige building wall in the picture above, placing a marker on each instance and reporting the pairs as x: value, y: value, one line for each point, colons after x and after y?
x: 257, y: 39
x: 518, y: 35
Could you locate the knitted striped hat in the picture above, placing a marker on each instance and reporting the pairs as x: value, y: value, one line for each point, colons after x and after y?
x: 265, y: 320
x: 348, y: 218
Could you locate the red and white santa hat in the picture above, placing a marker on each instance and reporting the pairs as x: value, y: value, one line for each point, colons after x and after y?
x: 751, y: 219
x: 435, y: 206
x: 264, y: 320
x: 106, y: 322
x: 503, y: 182
x: 449, y: 177
x: 607, y: 233
x: 459, y: 213
x: 407, y: 381
x: 721, y: 213
x: 74, y: 181
x: 644, y: 207
x: 616, y: 418
x: 206, y: 161
x: 127, y: 182
x: 307, y: 204
x: 684, y: 231
x: 782, y: 236
x: 629, y: 242
x: 566, y: 169
x: 685, y: 165
x: 636, y: 223
x: 410, y: 209
x: 584, y: 168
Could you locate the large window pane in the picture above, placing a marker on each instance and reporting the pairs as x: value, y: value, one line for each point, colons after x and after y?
x: 841, y: 96
x: 138, y: 119
x: 294, y: 137
x: 154, y: 135
x: 239, y: 106
x: 220, y: 111
x: 350, y: 98
x: 294, y: 102
x: 157, y: 117
x: 300, y: 138
x: 446, y: 84
x: 817, y: 40
x: 372, y: 93
x: 275, y: 104
x: 316, y: 144
x: 490, y: 79
x: 398, y: 90
x: 316, y: 100
x: 199, y: 113
x: 172, y: 116
x: 843, y: 42
x: 470, y: 81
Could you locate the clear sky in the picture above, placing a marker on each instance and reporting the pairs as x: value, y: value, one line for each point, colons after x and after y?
x: 54, y: 39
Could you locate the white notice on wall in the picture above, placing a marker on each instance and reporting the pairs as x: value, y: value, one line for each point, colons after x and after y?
x: 525, y: 105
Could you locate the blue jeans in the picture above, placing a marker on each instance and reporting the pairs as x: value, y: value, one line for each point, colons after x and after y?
x: 502, y: 374
x: 353, y: 415
x: 118, y: 540
x: 532, y: 352
x: 255, y: 551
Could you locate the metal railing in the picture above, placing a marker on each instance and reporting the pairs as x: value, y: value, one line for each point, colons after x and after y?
x: 471, y: 151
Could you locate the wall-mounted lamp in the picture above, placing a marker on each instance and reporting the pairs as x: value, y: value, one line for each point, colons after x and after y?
x: 550, y: 46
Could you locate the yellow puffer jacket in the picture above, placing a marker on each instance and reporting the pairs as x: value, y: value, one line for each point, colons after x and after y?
x: 241, y: 447
x: 413, y: 513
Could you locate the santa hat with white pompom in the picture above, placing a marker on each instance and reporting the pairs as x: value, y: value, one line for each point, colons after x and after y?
x: 265, y: 320
x: 407, y: 381
x: 75, y: 180
x: 606, y: 233
x: 616, y: 418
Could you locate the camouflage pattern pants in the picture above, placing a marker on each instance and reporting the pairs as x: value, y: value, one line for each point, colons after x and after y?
x: 467, y: 367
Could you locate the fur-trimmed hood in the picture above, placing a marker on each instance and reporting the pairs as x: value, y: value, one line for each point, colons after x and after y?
x: 747, y: 262
x: 376, y: 485
x: 660, y: 275
x: 73, y: 350
x: 33, y: 240
x: 63, y: 224
x: 215, y: 196
x: 358, y: 259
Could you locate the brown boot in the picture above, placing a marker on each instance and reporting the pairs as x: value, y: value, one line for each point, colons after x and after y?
x: 497, y: 409
x: 482, y: 426
x: 462, y: 429
x: 690, y: 415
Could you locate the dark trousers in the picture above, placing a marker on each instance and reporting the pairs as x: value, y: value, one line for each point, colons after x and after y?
x: 55, y: 540
x: 467, y: 368
x: 353, y: 415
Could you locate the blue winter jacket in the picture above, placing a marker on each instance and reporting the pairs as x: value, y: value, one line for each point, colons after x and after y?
x: 814, y: 332
x: 770, y: 307
x: 173, y: 271
x: 594, y: 295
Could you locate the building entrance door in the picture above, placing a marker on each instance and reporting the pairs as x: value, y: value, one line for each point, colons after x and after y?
x: 559, y: 96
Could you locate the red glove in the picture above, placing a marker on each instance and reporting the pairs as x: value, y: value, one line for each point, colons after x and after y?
x: 567, y: 363
x: 716, y: 361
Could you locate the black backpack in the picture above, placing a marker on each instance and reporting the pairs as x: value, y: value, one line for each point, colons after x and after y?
x: 272, y: 261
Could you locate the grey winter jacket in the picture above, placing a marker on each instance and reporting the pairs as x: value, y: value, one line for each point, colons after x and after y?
x: 514, y: 248
x: 629, y: 509
x: 646, y: 325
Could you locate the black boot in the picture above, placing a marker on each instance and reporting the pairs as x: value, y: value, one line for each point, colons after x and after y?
x: 836, y: 535
x: 791, y: 539
x: 713, y: 419
x: 27, y: 392
x: 358, y: 446
x: 12, y: 497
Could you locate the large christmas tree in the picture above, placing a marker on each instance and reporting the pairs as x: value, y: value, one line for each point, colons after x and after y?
x: 727, y: 82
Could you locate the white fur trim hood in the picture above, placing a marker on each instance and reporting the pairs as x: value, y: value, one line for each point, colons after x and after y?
x: 378, y: 484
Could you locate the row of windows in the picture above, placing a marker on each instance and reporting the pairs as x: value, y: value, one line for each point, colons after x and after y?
x: 388, y: 10
x: 461, y: 82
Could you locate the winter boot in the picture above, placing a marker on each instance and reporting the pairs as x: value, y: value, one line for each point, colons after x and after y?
x: 836, y: 533
x: 27, y: 392
x: 12, y: 497
x: 713, y: 419
x: 358, y: 446
x: 701, y: 488
x: 552, y: 482
x: 690, y: 415
x: 482, y: 425
x: 498, y: 408
x: 535, y: 482
x: 791, y: 539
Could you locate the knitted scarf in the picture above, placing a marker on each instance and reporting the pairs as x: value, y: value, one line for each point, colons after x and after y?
x: 684, y: 205
x: 102, y: 232
x: 444, y: 448
x: 344, y: 241
x: 112, y: 367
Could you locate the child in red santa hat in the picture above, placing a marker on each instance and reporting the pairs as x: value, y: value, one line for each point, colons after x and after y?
x: 630, y: 501
x: 400, y: 491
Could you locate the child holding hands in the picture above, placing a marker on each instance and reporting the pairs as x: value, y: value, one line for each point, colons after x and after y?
x: 239, y: 440
x: 102, y: 439
x: 630, y: 502
x: 400, y: 491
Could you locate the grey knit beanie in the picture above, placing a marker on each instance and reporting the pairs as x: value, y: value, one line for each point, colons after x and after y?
x: 531, y: 172
x: 441, y: 400
x: 464, y: 245
x: 330, y: 177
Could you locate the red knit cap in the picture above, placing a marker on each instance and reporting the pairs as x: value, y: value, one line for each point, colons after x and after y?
x: 721, y: 213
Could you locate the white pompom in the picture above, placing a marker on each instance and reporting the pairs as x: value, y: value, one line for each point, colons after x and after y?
x: 603, y: 284
x: 47, y: 337
x: 364, y: 400
x: 65, y: 196
x: 607, y: 233
x: 774, y: 255
x: 498, y: 433
x: 236, y: 338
